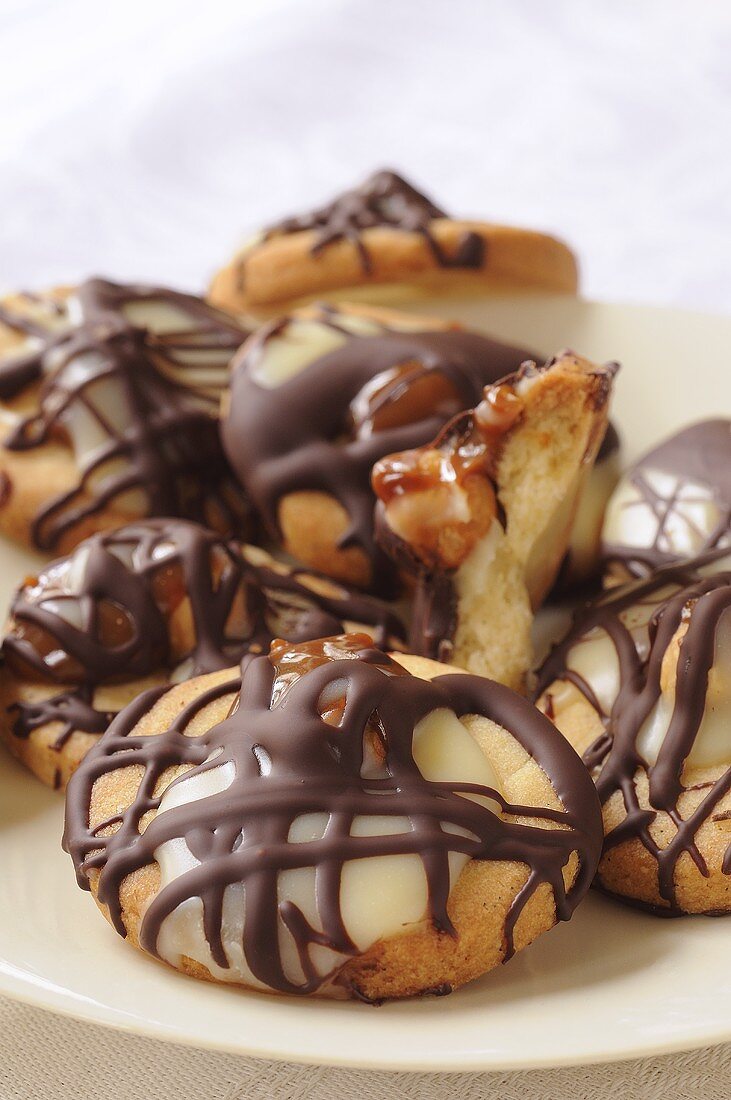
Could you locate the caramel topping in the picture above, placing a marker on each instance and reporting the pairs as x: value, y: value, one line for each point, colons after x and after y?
x: 498, y: 411
x: 458, y: 454
x: 168, y: 587
x: 403, y: 395
x: 291, y: 662
x: 294, y: 660
x: 440, y: 499
x: 467, y: 446
x: 113, y: 628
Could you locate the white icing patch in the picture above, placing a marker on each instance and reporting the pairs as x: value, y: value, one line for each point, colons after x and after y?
x: 163, y: 549
x: 182, y: 672
x: 444, y: 751
x: 686, y: 523
x: 303, y: 341
x: 109, y: 407
x: 720, y: 565
x: 74, y: 575
x: 356, y: 325
x: 286, y: 354
x: 23, y: 348
x: 712, y: 745
x: 595, y: 659
x: 585, y: 541
x: 9, y: 419
x: 594, y: 656
x: 380, y: 896
x: 74, y: 311
x: 159, y: 316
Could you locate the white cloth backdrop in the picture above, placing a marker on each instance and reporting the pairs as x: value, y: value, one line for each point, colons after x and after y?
x: 142, y: 139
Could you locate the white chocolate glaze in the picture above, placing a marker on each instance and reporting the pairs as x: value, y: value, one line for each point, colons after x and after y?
x: 286, y: 354
x: 712, y: 744
x: 594, y: 659
x: 301, y: 341
x: 681, y: 531
x: 586, y: 532
x: 380, y: 896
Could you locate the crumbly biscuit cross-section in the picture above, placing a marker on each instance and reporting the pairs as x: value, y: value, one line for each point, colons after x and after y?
x: 484, y: 515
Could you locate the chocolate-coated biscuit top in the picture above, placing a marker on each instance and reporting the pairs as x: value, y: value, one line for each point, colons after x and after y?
x: 130, y: 378
x: 322, y: 733
x: 316, y: 401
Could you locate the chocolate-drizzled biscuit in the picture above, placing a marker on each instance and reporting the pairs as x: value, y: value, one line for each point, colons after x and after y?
x: 673, y: 504
x: 121, y: 384
x: 385, y: 231
x: 363, y: 384
x: 268, y: 813
x: 160, y: 599
x: 639, y: 685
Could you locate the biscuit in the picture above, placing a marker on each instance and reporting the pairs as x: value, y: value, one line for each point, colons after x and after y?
x: 672, y: 505
x: 640, y: 687
x: 152, y: 602
x: 109, y: 399
x: 381, y: 236
x: 482, y: 517
x: 317, y: 397
x: 333, y: 821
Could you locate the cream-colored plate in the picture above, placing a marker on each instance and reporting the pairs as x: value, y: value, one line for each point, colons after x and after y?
x: 614, y: 983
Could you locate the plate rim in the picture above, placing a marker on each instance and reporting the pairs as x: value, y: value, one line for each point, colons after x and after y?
x: 70, y: 1006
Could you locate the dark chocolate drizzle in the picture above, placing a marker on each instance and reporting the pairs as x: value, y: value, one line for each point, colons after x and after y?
x: 384, y: 200
x: 74, y: 710
x: 194, y: 562
x: 302, y: 434
x: 700, y: 600
x: 241, y: 834
x: 699, y: 453
x: 168, y: 448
